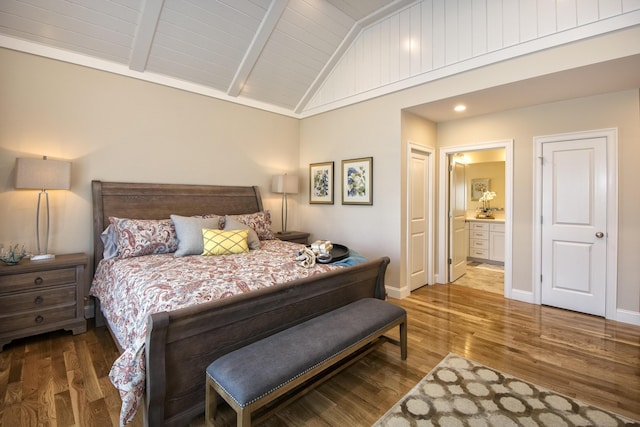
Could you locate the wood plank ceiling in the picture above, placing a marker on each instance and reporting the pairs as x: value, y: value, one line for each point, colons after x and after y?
x: 274, y: 53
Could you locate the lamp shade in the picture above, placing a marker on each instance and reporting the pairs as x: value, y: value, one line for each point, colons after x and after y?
x: 284, y: 184
x: 42, y: 174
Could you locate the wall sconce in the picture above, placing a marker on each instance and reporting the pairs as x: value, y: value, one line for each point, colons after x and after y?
x: 43, y: 175
x: 285, y: 184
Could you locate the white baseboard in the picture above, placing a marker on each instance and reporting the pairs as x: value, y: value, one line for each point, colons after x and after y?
x: 524, y: 296
x: 397, y: 293
x: 627, y: 316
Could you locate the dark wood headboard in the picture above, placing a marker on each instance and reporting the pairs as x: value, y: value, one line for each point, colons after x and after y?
x: 158, y: 201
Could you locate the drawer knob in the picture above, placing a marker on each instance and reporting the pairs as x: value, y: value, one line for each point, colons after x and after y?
x: 38, y: 300
x: 38, y: 281
x: 39, y: 319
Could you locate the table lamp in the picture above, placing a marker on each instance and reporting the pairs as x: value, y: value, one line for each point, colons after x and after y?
x: 43, y: 175
x: 285, y: 184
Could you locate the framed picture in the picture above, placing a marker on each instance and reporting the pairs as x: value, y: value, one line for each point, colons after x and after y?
x: 357, y: 181
x: 478, y: 187
x: 321, y: 183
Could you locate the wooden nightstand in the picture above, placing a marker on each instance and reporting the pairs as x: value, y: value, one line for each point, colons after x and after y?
x: 294, y: 236
x: 42, y: 296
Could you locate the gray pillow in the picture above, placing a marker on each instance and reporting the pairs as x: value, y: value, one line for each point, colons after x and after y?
x: 252, y: 240
x: 189, y: 232
x: 109, y: 242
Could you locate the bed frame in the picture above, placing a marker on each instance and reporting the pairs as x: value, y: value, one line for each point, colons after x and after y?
x: 182, y: 343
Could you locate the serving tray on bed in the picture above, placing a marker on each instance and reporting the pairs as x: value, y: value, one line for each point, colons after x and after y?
x: 338, y: 253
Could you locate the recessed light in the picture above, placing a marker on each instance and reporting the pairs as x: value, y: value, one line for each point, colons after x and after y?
x: 460, y: 108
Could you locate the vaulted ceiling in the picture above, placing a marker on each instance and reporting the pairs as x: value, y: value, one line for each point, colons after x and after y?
x: 271, y: 53
x: 301, y: 57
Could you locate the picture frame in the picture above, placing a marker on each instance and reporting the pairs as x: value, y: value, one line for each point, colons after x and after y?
x: 357, y: 181
x: 478, y: 187
x: 321, y: 183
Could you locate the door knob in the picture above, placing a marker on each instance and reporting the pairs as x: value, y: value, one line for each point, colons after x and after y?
x: 599, y: 234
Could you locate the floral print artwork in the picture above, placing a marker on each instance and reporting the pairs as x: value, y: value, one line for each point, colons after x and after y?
x: 321, y: 183
x: 356, y: 181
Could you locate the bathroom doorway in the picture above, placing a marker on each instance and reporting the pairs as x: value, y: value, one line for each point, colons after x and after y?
x: 488, y: 200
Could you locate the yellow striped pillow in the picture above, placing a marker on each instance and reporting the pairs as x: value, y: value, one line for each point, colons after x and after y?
x: 224, y: 242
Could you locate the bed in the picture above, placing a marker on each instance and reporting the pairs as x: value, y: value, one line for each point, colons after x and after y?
x: 180, y: 343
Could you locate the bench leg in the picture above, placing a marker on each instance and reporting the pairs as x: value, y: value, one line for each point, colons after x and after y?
x: 210, y: 404
x: 244, y: 418
x: 403, y: 340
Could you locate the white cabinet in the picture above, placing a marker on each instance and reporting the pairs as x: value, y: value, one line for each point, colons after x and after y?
x: 496, y: 242
x: 486, y: 241
x: 479, y: 240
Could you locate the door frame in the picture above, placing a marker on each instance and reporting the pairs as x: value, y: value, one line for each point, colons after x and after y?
x: 429, y: 152
x: 611, y: 136
x: 443, y: 207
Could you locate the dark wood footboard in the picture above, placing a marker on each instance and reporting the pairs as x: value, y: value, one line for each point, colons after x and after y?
x: 181, y: 344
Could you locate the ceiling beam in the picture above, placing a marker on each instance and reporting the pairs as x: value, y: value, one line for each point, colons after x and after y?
x: 258, y: 43
x: 345, y: 45
x: 141, y: 49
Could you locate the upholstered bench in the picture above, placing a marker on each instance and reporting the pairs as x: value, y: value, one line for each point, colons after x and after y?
x: 253, y: 376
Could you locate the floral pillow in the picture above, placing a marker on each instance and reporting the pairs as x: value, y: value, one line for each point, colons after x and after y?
x: 138, y: 237
x: 260, y: 222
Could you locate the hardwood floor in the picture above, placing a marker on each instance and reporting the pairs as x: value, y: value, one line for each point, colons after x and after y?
x: 484, y: 277
x: 61, y: 380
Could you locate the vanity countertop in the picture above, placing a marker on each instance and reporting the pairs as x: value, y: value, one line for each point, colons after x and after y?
x: 495, y: 220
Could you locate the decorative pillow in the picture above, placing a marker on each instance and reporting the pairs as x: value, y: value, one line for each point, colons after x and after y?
x: 252, y: 240
x: 260, y: 222
x: 220, y: 242
x: 220, y: 218
x: 137, y: 237
x: 189, y: 232
x: 109, y: 239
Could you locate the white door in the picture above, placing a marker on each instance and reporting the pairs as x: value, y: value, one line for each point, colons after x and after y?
x: 457, y: 220
x: 418, y: 212
x: 574, y: 220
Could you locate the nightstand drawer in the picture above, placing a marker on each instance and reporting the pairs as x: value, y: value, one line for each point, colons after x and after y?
x: 40, y: 318
x: 39, y: 279
x: 37, y: 300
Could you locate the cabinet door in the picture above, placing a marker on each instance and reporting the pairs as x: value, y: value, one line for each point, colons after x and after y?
x: 496, y: 246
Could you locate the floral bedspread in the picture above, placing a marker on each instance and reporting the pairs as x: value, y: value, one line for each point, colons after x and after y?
x: 132, y: 288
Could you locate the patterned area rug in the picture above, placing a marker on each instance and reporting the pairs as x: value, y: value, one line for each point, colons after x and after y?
x: 459, y: 392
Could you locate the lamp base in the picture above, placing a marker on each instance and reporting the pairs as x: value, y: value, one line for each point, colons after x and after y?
x: 42, y: 257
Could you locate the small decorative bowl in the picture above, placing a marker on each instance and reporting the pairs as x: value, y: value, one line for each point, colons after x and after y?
x: 12, y: 256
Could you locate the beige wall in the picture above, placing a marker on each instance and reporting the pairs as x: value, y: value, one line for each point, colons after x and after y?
x: 494, y: 171
x: 117, y: 128
x: 370, y: 129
